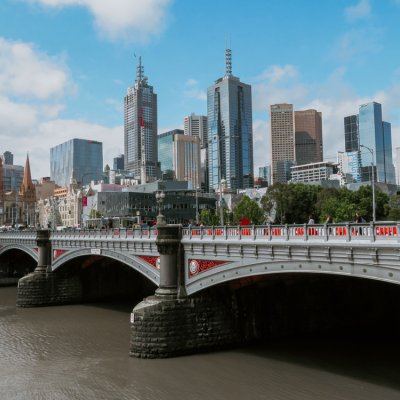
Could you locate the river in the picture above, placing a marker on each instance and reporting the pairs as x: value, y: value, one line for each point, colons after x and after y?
x: 81, y: 352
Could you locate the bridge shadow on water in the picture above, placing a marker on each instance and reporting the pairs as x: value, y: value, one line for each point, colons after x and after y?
x: 345, y: 326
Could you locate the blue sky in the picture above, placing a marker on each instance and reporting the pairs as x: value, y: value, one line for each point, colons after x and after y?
x: 65, y: 65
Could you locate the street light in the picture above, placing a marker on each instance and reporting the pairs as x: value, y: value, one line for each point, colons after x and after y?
x: 372, y: 181
x: 221, y: 209
x: 160, y: 196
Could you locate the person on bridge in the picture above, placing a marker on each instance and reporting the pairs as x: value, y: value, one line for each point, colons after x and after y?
x: 311, y: 220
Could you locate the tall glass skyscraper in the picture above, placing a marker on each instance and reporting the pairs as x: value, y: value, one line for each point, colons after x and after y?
x: 77, y: 160
x: 140, y: 129
x: 166, y: 153
x: 230, y: 131
x: 376, y: 134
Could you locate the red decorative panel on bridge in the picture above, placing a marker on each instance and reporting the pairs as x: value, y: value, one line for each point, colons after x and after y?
x: 57, y: 253
x: 198, y: 266
x: 154, y: 261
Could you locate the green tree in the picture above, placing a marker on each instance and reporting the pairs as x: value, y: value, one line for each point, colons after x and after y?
x: 208, y: 217
x: 250, y: 209
x: 291, y: 203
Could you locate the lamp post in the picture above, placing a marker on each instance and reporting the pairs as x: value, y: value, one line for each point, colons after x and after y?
x: 372, y: 181
x: 197, y: 206
x: 160, y: 196
x: 221, y: 209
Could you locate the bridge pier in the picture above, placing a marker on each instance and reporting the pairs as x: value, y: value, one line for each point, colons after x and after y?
x: 169, y: 323
x: 43, y: 287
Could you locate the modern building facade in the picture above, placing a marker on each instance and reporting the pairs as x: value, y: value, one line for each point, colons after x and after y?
x: 351, y: 134
x: 282, y: 123
x: 140, y: 129
x: 118, y: 163
x: 12, y: 177
x: 230, y: 131
x: 165, y: 142
x: 375, y: 134
x: 187, y: 160
x: 8, y: 158
x: 314, y: 172
x: 308, y: 137
x: 77, y: 160
x: 196, y: 125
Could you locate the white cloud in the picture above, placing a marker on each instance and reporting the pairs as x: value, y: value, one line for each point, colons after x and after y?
x: 193, y: 91
x: 359, y: 11
x: 352, y: 45
x: 26, y: 72
x: 133, y: 20
x: 32, y: 89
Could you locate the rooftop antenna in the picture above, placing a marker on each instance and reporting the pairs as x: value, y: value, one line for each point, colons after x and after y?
x: 228, y: 58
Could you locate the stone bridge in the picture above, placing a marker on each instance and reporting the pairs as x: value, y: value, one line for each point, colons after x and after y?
x: 185, y: 263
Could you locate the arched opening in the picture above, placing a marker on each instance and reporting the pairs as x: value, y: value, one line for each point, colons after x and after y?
x: 15, y: 263
x: 313, y: 306
x: 105, y: 279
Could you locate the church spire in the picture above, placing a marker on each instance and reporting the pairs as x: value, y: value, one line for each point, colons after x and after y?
x: 27, y: 184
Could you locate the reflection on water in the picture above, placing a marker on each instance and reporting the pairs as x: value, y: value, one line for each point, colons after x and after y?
x: 81, y: 352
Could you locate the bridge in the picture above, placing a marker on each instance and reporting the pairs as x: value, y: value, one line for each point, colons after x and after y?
x: 185, y: 262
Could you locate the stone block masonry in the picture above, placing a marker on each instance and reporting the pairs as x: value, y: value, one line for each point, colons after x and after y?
x: 48, y: 288
x: 167, y: 328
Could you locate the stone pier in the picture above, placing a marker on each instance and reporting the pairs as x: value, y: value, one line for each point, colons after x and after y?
x: 44, y: 287
x: 169, y: 323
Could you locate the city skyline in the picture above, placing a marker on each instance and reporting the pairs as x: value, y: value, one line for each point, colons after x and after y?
x: 58, y: 83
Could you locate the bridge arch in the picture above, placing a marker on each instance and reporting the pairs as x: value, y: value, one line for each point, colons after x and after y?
x: 130, y: 260
x: 232, y: 271
x: 15, y: 246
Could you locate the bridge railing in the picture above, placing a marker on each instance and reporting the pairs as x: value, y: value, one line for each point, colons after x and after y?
x: 297, y: 232
x: 115, y: 233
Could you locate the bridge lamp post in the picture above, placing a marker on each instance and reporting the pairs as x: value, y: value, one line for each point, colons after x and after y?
x: 160, y: 196
x: 372, y: 181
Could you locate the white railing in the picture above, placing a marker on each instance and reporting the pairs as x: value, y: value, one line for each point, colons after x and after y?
x: 343, y: 232
x: 115, y: 233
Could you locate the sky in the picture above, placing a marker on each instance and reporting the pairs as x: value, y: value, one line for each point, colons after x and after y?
x: 65, y: 65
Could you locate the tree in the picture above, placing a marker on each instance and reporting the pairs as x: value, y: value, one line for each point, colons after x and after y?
x: 290, y: 203
x: 208, y: 217
x: 250, y: 209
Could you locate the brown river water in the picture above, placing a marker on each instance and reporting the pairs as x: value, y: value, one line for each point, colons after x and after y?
x: 81, y: 352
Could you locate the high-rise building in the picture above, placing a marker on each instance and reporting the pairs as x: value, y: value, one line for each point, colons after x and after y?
x: 196, y: 125
x: 375, y: 134
x: 118, y: 163
x: 187, y: 159
x: 8, y: 158
x: 140, y: 129
x: 398, y: 165
x: 351, y: 136
x: 166, y: 153
x: 77, y: 160
x: 308, y: 137
x: 282, y: 141
x: 12, y: 177
x: 230, y: 131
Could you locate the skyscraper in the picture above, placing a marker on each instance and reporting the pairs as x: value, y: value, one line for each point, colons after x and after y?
x: 196, y: 125
x: 140, y: 129
x: 230, y: 131
x: 118, y: 163
x: 166, y: 153
x: 77, y: 160
x: 187, y: 159
x: 282, y: 141
x: 375, y: 134
x: 308, y: 137
x: 351, y: 136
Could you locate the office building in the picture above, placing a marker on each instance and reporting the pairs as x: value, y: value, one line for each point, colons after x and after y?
x: 230, y: 131
x: 8, y: 158
x: 398, y: 165
x: 187, y: 160
x: 308, y: 137
x: 196, y: 125
x: 314, y: 172
x: 376, y: 137
x: 140, y: 129
x: 165, y: 142
x: 77, y: 160
x: 351, y: 136
x: 118, y: 163
x: 12, y: 177
x: 350, y: 166
x: 282, y: 141
x: 264, y: 173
